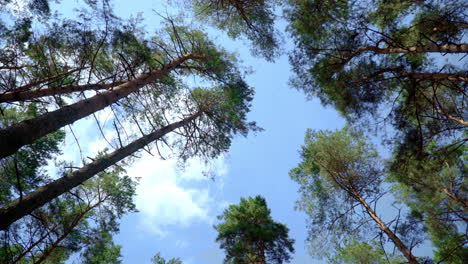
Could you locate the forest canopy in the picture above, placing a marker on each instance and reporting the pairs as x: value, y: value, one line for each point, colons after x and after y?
x: 387, y: 186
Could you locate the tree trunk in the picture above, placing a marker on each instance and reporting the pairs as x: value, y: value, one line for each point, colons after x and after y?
x: 433, y: 48
x: 26, y: 132
x: 400, y: 245
x: 15, y: 96
x: 21, y: 207
x: 456, y: 77
x: 262, y: 252
x: 434, y: 76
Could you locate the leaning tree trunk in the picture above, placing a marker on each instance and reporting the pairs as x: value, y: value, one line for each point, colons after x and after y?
x: 14, y: 137
x: 22, y: 207
x: 16, y: 96
x: 396, y: 240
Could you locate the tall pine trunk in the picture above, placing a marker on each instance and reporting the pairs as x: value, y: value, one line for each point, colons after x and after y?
x: 396, y: 240
x: 430, y: 48
x: 14, y: 137
x: 16, y: 96
x: 455, y: 77
x: 22, y: 207
x: 433, y: 48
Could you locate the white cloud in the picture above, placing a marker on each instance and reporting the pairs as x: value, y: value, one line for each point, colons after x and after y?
x: 166, y: 196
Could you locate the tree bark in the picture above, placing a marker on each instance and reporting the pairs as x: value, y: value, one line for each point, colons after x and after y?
x: 432, y: 48
x: 21, y: 207
x: 456, y: 77
x: 400, y: 245
x: 262, y: 253
x: 26, y: 132
x: 15, y: 96
x: 452, y: 118
x: 435, y: 76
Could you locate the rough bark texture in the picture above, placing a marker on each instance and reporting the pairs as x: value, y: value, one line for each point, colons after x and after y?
x: 59, y: 90
x: 398, y: 243
x: 14, y: 137
x: 21, y: 207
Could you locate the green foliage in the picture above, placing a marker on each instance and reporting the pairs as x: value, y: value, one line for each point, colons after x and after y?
x: 252, y: 19
x: 24, y: 171
x: 335, y: 60
x: 365, y: 84
x: 248, y: 234
x: 306, y: 16
x: 102, y: 250
x: 82, y: 220
x: 355, y: 252
x: 335, y: 168
x: 434, y: 186
x: 158, y: 259
x: 342, y: 159
x: 95, y: 48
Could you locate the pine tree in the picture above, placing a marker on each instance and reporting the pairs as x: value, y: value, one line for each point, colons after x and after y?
x: 248, y: 234
x: 340, y: 172
x: 83, y: 219
x: 209, y: 117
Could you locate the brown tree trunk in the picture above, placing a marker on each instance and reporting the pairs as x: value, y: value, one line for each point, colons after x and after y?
x: 262, y: 253
x: 14, y: 137
x: 432, y: 48
x: 434, y: 76
x: 33, y: 200
x: 59, y: 90
x: 398, y: 243
x: 456, y: 77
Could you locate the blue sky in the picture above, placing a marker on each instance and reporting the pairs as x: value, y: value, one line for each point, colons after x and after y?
x: 178, y: 207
